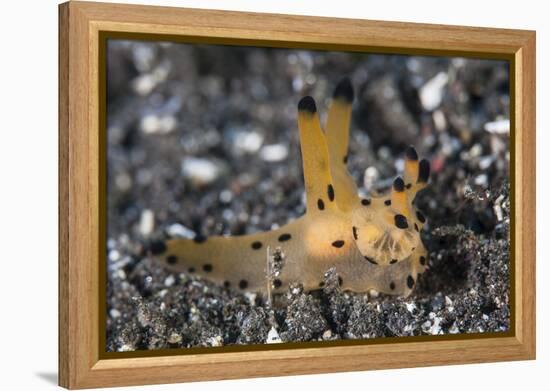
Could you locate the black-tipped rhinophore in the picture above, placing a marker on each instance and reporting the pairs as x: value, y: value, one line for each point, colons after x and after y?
x: 157, y: 247
x: 411, y: 154
x: 344, y: 90
x: 398, y: 184
x: 423, y: 171
x: 307, y: 104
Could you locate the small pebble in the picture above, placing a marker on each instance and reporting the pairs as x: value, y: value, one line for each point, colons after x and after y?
x: 411, y: 307
x: 215, y: 341
x: 199, y: 170
x: 273, y: 336
x: 123, y: 181
x: 144, y: 177
x: 174, y: 338
x: 476, y: 150
x: 226, y: 196
x: 437, y: 302
x: 126, y: 348
x: 435, y: 329
x: 481, y: 180
x: 144, y: 84
x: 439, y: 120
x: 114, y: 313
x: 114, y: 255
x: 180, y: 231
x: 152, y: 123
x: 497, y: 208
x: 485, y: 162
x: 251, y: 296
x: 274, y: 152
x: 327, y: 334
x: 169, y: 281
x: 370, y: 177
x: 426, y: 326
x: 121, y: 274
x: 454, y: 329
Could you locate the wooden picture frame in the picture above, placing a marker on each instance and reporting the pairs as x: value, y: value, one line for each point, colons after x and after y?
x: 82, y: 28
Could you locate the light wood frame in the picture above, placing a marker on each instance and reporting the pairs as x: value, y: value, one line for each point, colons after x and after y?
x: 81, y: 362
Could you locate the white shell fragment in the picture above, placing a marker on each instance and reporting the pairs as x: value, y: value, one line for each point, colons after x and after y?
x: 431, y: 93
x: 180, y: 231
x: 146, y: 222
x: 501, y: 126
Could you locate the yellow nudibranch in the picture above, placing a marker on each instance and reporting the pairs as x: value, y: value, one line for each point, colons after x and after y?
x: 372, y: 243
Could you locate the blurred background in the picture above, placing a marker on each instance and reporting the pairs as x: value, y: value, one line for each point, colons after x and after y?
x: 203, y: 139
x: 223, y: 120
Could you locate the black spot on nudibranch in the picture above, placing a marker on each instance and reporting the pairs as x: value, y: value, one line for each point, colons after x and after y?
x: 226, y: 284
x: 199, y: 239
x: 371, y: 261
x: 416, y: 227
x: 420, y: 217
x: 340, y: 281
x: 408, y: 186
x: 344, y: 90
x: 243, y: 284
x: 401, y: 222
x: 307, y: 103
x: 338, y: 243
x: 422, y: 260
x: 423, y: 171
x: 191, y: 269
x: 393, y: 261
x: 256, y: 245
x: 365, y: 202
x: 207, y: 267
x: 320, y: 204
x: 398, y: 184
x: 354, y: 229
x: 410, y: 282
x: 330, y: 192
x: 392, y: 285
x: 157, y: 247
x: 172, y: 260
x: 345, y: 159
x: 277, y: 283
x: 284, y: 237
x: 387, y: 202
x: 321, y: 284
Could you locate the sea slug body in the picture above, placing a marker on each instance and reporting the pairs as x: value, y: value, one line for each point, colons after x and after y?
x: 372, y: 243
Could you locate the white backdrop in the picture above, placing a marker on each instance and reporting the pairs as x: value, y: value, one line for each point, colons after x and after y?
x: 28, y: 207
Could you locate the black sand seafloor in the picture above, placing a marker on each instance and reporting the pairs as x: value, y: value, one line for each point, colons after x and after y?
x: 204, y: 140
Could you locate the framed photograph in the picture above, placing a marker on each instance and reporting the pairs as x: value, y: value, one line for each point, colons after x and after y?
x: 247, y: 195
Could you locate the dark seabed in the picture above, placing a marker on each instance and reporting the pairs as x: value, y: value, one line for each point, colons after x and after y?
x: 204, y: 140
